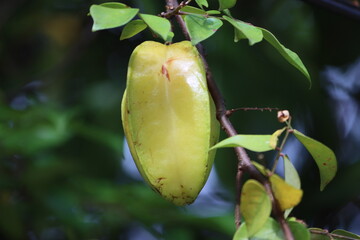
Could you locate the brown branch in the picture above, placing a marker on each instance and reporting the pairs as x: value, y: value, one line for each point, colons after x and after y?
x: 171, y: 6
x: 239, y: 175
x: 231, y: 111
x: 244, y: 164
x: 244, y: 160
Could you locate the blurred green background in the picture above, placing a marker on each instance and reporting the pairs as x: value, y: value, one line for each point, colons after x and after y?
x: 63, y: 168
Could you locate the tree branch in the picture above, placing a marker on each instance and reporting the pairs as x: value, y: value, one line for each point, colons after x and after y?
x: 244, y: 164
x: 239, y: 175
x: 231, y: 111
x: 244, y: 160
x: 171, y: 6
x: 174, y: 8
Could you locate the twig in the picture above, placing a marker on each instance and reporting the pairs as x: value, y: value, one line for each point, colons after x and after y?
x: 331, y: 235
x: 237, y: 214
x: 279, y: 154
x: 231, y: 111
x: 174, y: 8
x: 171, y: 5
x: 244, y: 163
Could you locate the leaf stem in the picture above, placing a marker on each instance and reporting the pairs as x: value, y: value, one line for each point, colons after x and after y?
x: 231, y: 111
x: 279, y: 154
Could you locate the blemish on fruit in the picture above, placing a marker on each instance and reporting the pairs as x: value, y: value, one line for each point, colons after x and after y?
x: 165, y: 72
x: 173, y: 197
x: 160, y: 179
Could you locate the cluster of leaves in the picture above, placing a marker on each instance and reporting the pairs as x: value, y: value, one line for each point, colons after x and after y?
x: 201, y: 24
x: 255, y: 205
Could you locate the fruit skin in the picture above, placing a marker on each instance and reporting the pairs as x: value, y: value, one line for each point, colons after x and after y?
x: 169, y: 119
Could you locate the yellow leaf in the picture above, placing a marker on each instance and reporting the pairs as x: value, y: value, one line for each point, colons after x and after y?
x: 286, y: 195
x: 275, y: 136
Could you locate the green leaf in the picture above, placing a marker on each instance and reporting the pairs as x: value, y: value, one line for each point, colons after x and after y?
x: 106, y: 17
x: 113, y: 5
x: 291, y: 177
x: 345, y: 234
x: 133, y: 28
x: 289, y: 55
x: 255, y: 206
x: 201, y: 28
x: 202, y: 3
x: 241, y: 233
x: 271, y: 230
x: 158, y: 25
x: 245, y: 30
x: 319, y: 237
x: 275, y: 137
x: 228, y: 13
x: 225, y: 4
x: 299, y: 231
x: 170, y: 37
x: 194, y: 10
x: 324, y: 157
x: 256, y: 143
x: 261, y: 168
x: 213, y: 12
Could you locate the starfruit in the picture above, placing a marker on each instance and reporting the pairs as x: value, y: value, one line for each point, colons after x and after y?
x: 169, y: 119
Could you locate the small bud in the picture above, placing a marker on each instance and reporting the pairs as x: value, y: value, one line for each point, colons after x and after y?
x: 283, y: 115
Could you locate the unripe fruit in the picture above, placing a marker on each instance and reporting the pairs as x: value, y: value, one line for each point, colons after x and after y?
x: 169, y: 119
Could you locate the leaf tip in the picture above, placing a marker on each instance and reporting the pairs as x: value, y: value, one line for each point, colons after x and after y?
x: 212, y: 148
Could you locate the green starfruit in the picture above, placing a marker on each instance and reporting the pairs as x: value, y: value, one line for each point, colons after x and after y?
x: 169, y: 119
